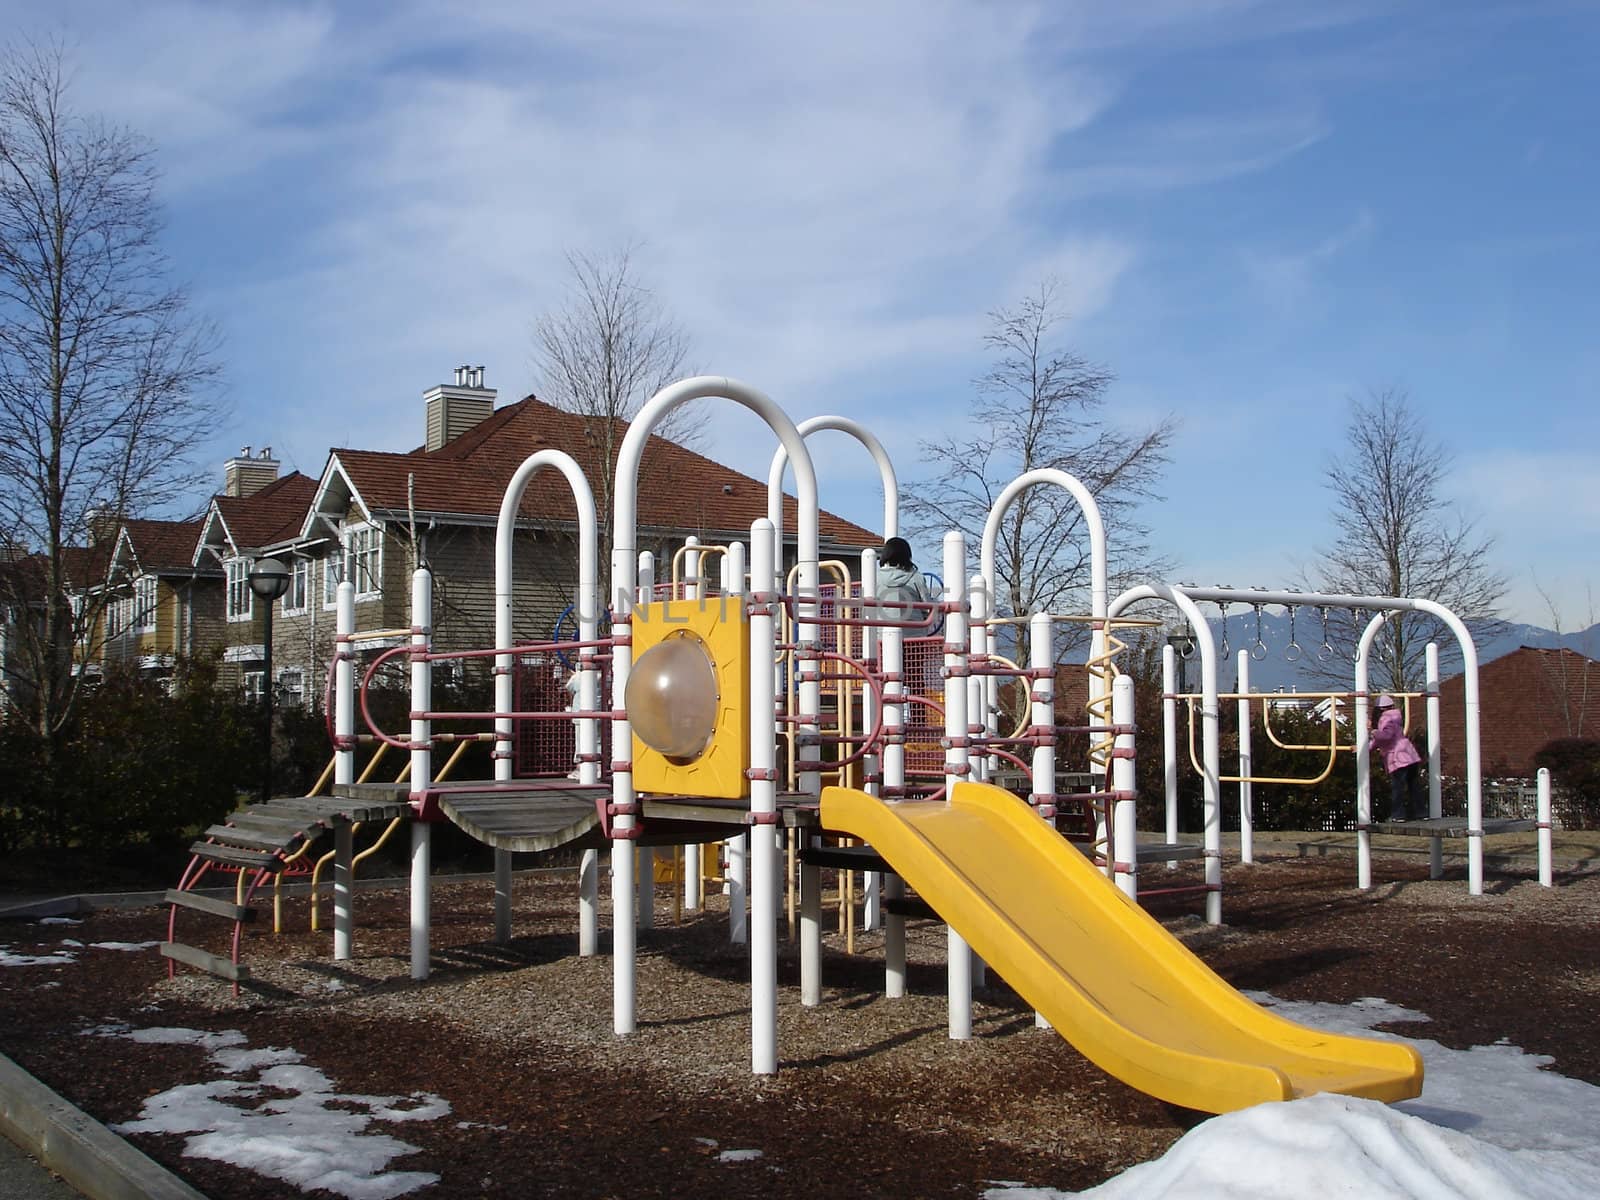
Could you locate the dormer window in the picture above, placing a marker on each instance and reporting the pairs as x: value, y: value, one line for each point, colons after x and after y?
x: 239, y: 594
x: 144, y: 604
x: 366, y: 560
x: 296, y: 599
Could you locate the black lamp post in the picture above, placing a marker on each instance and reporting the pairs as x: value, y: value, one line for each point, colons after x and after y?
x: 269, y: 579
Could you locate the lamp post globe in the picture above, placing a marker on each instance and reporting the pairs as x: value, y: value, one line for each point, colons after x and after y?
x: 268, y: 579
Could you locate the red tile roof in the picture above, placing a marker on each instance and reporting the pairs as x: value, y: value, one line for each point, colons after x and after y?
x: 273, y: 514
x: 678, y: 489
x: 161, y: 546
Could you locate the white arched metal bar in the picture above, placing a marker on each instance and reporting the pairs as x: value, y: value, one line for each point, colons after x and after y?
x: 587, y: 602
x: 763, y: 800
x: 1210, y: 743
x: 1045, y: 476
x: 780, y: 462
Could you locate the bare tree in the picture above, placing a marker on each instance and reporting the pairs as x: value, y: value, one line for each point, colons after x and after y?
x: 106, y: 381
x: 1570, y: 671
x: 1399, y: 535
x: 1040, y: 406
x: 607, y: 351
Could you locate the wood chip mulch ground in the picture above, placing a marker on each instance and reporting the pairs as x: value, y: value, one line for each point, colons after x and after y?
x: 872, y: 1098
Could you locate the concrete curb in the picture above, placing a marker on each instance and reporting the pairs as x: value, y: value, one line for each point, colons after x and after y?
x: 77, y: 1147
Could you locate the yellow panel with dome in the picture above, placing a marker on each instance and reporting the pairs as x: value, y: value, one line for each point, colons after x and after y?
x: 687, y: 697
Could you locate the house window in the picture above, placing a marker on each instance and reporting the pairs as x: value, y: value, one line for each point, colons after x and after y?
x: 332, y: 573
x: 239, y: 590
x: 291, y: 691
x: 366, y: 560
x: 115, y: 618
x: 252, y: 685
x: 296, y: 598
x: 144, y: 604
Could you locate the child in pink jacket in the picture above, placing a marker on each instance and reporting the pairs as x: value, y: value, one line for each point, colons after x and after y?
x: 1401, y: 760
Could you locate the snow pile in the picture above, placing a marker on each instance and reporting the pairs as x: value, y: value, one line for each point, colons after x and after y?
x: 287, y: 1122
x: 1490, y: 1125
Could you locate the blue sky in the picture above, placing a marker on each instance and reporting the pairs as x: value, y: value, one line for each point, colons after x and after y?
x: 1258, y: 209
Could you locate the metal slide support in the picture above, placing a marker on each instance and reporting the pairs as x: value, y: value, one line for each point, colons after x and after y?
x: 956, y: 764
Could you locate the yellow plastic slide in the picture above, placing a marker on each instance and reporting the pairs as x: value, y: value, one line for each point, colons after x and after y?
x: 1130, y: 996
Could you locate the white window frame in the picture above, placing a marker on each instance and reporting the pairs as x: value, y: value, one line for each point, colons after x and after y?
x: 250, y: 684
x: 299, y: 587
x: 238, y: 570
x: 365, y: 545
x: 291, y: 696
x: 332, y: 575
x: 115, y: 618
x: 146, y: 593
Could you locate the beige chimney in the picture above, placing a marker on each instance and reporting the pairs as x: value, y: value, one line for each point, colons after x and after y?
x: 243, y: 475
x: 455, y: 408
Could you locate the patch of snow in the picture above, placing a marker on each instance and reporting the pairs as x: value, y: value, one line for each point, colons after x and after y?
x: 287, y: 1123
x: 124, y: 945
x: 733, y: 1156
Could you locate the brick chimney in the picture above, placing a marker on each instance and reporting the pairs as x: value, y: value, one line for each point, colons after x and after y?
x: 243, y: 475
x: 455, y: 408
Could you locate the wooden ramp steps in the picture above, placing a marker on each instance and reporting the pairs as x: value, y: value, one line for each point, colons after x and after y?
x: 260, y: 839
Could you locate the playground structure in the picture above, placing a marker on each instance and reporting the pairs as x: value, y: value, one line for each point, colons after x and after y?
x: 731, y: 707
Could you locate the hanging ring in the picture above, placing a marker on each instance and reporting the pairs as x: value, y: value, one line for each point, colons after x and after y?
x: 1258, y: 651
x: 1293, y: 653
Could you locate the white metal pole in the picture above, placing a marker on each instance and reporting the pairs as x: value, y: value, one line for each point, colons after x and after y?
x: 733, y: 573
x: 980, y: 723
x: 1169, y: 742
x: 959, y: 954
x: 645, y: 859
x: 1364, y: 751
x: 763, y: 809
x: 1435, y: 782
x: 691, y: 853
x: 1042, y: 716
x: 1125, y: 825
x: 1246, y: 795
x: 344, y: 769
x: 1042, y: 692
x: 894, y: 782
x: 872, y: 762
x: 421, y: 769
x: 1544, y: 818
